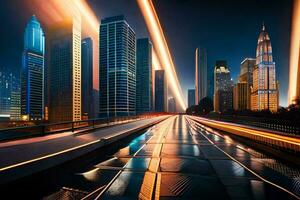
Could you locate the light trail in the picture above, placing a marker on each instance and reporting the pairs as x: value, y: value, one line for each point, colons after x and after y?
x: 294, y: 93
x: 161, y: 48
x: 247, y: 131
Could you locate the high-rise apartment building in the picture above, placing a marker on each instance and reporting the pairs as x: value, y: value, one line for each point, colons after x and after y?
x: 117, y: 70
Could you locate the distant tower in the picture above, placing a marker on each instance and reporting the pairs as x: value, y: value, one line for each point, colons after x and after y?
x: 32, y: 76
x: 201, y: 74
x: 172, y: 105
x: 223, y: 97
x: 117, y: 72
x: 161, y: 91
x: 65, y: 70
x: 264, y: 94
x: 87, y: 100
x: 191, y: 97
x: 144, y: 76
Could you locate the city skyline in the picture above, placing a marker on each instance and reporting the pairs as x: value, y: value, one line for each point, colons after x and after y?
x: 271, y: 17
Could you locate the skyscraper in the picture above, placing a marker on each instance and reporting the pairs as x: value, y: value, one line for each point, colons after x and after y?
x: 160, y: 91
x: 65, y: 70
x: 172, y: 105
x: 144, y: 76
x: 201, y: 74
x: 87, y: 103
x: 5, y: 92
x: 264, y: 95
x: 223, y: 97
x: 32, y: 76
x: 191, y: 97
x: 245, y: 80
x: 240, y: 98
x: 117, y: 69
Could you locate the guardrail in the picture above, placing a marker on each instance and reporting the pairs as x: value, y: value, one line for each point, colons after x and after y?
x: 73, y: 126
x: 280, y: 125
x: 281, y: 141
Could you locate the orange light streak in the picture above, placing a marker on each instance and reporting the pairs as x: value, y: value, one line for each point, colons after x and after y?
x: 161, y: 48
x: 229, y: 126
x: 294, y: 92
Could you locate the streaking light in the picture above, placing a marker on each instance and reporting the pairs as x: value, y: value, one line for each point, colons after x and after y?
x: 161, y: 48
x: 294, y: 54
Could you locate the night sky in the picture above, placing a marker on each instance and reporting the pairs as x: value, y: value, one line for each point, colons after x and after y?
x: 228, y: 29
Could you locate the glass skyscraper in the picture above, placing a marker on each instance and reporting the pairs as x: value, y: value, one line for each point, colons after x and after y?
x: 117, y: 70
x: 223, y: 97
x: 32, y: 76
x: 144, y: 76
x: 65, y: 70
x: 264, y: 94
x: 161, y: 91
x: 191, y: 97
x: 201, y: 74
x: 87, y: 103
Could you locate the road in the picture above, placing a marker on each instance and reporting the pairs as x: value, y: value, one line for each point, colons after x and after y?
x: 182, y: 159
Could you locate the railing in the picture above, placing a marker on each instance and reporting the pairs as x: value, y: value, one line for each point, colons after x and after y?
x: 72, y: 126
x: 279, y: 125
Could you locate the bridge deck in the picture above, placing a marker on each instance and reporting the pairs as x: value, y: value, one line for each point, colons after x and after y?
x: 179, y: 159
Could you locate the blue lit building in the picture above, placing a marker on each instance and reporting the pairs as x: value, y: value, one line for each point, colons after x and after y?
x: 117, y: 69
x: 5, y: 92
x: 144, y: 76
x: 87, y: 103
x: 191, y: 97
x: 160, y: 91
x: 32, y: 75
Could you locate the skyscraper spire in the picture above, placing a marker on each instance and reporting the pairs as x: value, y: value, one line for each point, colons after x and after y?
x: 263, y: 26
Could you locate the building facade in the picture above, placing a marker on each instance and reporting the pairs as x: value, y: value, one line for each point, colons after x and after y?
x: 32, y: 73
x: 87, y: 100
x: 161, y: 93
x: 246, y: 77
x: 144, y: 89
x: 172, y: 105
x: 191, y: 97
x: 117, y: 70
x: 201, y: 74
x: 223, y: 87
x: 65, y: 70
x: 240, y: 96
x: 264, y: 94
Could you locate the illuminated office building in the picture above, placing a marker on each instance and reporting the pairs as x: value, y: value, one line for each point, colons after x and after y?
x: 240, y: 96
x: 264, y: 94
x: 201, y: 74
x: 65, y: 70
x: 223, y: 87
x: 144, y: 89
x: 32, y: 76
x: 117, y: 70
